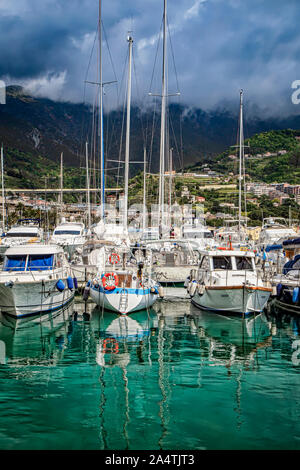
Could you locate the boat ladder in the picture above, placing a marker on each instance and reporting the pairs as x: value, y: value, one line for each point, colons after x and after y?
x: 123, y: 300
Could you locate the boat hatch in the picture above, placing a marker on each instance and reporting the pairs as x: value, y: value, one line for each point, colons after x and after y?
x: 28, y: 263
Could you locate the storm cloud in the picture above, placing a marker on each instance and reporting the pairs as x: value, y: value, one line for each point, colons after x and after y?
x: 219, y: 47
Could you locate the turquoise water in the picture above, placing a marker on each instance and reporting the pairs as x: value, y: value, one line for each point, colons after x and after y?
x: 171, y: 378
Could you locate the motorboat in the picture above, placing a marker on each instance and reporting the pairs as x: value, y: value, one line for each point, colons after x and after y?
x: 26, y: 231
x: 228, y: 281
x: 288, y: 281
x: 69, y: 235
x: 274, y: 229
x: 35, y: 280
x: 198, y: 235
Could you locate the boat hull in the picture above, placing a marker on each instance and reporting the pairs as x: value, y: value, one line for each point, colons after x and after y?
x: 25, y: 299
x: 235, y: 299
x: 136, y: 299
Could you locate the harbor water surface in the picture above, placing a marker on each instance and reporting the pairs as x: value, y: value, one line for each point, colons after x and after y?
x: 169, y: 378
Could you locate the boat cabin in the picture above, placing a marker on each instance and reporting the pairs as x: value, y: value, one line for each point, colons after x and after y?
x: 228, y: 260
x: 33, y: 258
x: 69, y: 229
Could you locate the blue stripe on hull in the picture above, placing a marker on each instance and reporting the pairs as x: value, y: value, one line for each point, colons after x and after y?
x: 41, y: 312
x: 119, y: 290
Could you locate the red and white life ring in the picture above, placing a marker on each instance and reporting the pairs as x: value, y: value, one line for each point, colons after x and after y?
x: 109, y: 276
x: 114, y: 258
x: 113, y: 346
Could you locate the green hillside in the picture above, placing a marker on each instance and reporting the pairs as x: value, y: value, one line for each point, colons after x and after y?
x: 275, y: 168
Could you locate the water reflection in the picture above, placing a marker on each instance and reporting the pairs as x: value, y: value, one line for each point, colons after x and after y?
x: 173, y: 377
x: 39, y: 341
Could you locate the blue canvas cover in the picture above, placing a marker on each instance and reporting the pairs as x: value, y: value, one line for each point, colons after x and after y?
x: 15, y: 263
x: 273, y: 247
x: 40, y: 262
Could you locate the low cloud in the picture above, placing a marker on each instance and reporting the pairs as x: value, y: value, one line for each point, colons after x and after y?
x: 219, y: 47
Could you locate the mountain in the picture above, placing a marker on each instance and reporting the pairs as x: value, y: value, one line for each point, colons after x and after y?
x: 44, y: 128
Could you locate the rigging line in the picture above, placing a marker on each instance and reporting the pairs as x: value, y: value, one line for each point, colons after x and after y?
x: 152, y: 134
x: 111, y: 60
x: 138, y: 97
x: 123, y: 119
x: 173, y: 57
x: 84, y: 93
x: 152, y: 76
x: 174, y: 136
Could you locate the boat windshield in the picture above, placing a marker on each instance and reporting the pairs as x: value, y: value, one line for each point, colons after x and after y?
x: 243, y: 263
x: 66, y: 232
x: 222, y: 262
x: 33, y: 263
x: 21, y: 235
x: 40, y: 262
x: 15, y: 263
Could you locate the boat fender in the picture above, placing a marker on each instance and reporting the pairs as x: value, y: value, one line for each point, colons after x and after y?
x: 86, y: 291
x: 201, y: 289
x: 295, y: 294
x: 161, y: 292
x: 279, y: 290
x: 60, y: 285
x: 274, y: 291
x: 193, y: 288
x: 9, y: 284
x: 70, y: 283
x: 75, y: 282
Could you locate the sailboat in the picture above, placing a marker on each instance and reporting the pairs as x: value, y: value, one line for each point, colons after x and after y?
x: 172, y: 257
x: 121, y: 284
x: 70, y: 235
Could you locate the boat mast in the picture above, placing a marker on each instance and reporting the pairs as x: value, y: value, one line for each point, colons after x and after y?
x: 163, y: 121
x: 144, y: 192
x: 130, y: 43
x: 61, y: 183
x: 3, y: 195
x: 102, y: 199
x: 241, y: 154
x: 170, y: 179
x: 88, y: 186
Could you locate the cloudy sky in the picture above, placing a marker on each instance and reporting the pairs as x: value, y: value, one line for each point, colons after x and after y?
x: 219, y: 47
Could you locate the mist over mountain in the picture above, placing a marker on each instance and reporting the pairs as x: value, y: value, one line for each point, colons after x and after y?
x: 47, y: 128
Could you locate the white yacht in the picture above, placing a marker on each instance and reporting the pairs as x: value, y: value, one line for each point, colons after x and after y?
x: 69, y: 235
x: 26, y: 231
x: 274, y: 230
x: 198, y: 235
x: 35, y: 280
x: 227, y: 281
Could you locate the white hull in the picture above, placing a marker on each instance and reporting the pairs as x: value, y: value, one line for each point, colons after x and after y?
x: 123, y: 300
x: 237, y: 299
x: 26, y: 299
